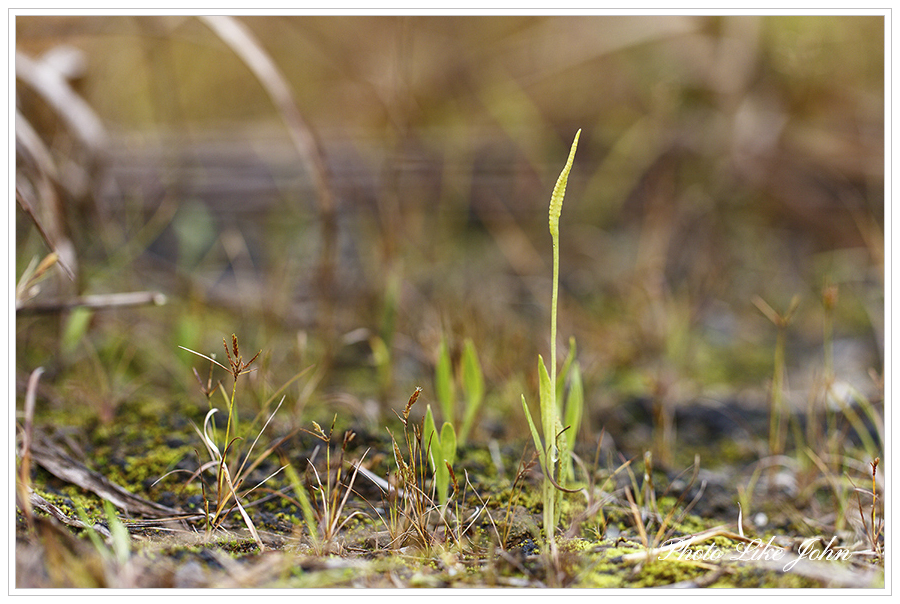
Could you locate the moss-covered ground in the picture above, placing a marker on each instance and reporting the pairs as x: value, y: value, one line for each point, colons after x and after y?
x: 489, y: 537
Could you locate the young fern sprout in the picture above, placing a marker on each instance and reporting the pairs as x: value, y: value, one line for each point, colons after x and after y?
x: 549, y: 453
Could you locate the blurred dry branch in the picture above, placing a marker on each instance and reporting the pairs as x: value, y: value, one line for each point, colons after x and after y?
x: 49, y: 80
x: 37, y: 196
x: 96, y: 302
x: 244, y: 44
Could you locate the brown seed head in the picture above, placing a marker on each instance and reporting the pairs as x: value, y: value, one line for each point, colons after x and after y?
x: 452, y: 477
x: 412, y: 401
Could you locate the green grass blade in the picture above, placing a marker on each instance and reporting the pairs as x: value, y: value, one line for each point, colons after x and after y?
x: 121, y: 539
x: 306, y: 508
x: 92, y: 533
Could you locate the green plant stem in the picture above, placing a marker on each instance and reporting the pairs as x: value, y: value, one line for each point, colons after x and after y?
x: 220, y: 479
x: 553, y: 303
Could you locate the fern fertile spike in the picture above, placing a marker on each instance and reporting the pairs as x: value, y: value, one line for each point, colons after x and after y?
x: 559, y: 191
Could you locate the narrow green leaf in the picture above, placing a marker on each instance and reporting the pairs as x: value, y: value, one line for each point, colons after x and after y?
x: 574, y: 404
x: 75, y: 329
x: 473, y: 380
x: 549, y: 414
x: 443, y: 382
x: 309, y: 514
x: 92, y: 533
x: 121, y: 539
x: 855, y: 421
x: 534, y: 434
x: 574, y: 412
x: 448, y: 442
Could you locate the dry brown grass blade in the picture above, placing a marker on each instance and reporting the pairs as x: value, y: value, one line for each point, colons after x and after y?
x: 52, y: 86
x: 638, y: 521
x: 38, y: 197
x: 250, y: 526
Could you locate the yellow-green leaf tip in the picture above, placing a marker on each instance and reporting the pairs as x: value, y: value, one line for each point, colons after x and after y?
x: 559, y: 191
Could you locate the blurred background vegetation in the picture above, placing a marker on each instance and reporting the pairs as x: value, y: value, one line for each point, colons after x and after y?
x: 345, y: 191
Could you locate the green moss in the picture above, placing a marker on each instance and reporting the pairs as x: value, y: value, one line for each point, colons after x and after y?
x: 664, y: 572
x: 70, y: 498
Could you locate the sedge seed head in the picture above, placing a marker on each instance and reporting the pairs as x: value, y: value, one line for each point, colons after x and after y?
x: 452, y: 477
x: 412, y: 401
